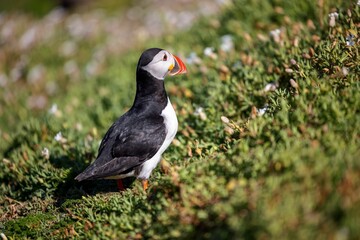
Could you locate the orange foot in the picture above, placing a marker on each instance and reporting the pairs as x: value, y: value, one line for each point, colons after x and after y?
x: 145, y: 184
x: 120, y: 185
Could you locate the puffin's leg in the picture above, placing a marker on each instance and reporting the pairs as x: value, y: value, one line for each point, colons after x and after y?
x: 145, y: 184
x: 120, y: 185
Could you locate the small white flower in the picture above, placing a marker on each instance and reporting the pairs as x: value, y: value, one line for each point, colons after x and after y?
x: 262, y: 111
x: 58, y: 137
x: 227, y: 43
x: 200, y: 112
x: 293, y: 61
x: 332, y: 19
x: 225, y: 119
x: 3, y: 236
x: 209, y: 51
x: 193, y: 59
x: 275, y: 34
x: 293, y: 83
x: 334, y: 14
x: 45, y: 153
x: 358, y: 3
x: 270, y: 87
x: 28, y: 38
x: 53, y: 109
x: 345, y: 71
x: 350, y: 40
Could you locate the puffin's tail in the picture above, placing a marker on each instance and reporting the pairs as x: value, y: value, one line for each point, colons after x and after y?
x: 81, y: 177
x: 87, y: 174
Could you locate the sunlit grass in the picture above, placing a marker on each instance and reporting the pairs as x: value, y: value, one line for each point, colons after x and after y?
x: 268, y: 139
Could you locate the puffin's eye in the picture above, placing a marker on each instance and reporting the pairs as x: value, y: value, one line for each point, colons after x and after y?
x: 164, y: 57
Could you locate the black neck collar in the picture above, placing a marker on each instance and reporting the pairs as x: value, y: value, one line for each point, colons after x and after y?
x: 149, y: 89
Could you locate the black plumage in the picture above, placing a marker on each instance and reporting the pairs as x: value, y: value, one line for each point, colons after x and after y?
x: 133, y: 145
x: 137, y: 135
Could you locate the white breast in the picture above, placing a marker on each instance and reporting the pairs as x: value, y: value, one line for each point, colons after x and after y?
x: 171, y: 125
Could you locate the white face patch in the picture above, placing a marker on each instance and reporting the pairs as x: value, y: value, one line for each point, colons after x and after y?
x: 160, y: 66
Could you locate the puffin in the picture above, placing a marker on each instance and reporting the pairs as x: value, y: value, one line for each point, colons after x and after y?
x: 133, y: 145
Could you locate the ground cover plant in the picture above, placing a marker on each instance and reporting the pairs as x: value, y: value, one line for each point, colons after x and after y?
x: 268, y: 141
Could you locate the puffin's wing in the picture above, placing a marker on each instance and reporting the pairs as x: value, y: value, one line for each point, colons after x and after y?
x: 126, y: 146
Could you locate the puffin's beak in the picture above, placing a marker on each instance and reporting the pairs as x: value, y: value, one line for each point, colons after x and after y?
x: 179, y: 67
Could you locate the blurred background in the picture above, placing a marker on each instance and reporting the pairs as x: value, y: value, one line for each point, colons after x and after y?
x: 47, y: 46
x: 269, y: 126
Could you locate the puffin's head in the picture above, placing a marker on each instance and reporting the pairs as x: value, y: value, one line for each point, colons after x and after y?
x: 160, y: 63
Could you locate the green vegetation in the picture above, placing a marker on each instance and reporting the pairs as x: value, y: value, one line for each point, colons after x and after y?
x: 36, y: 7
x: 250, y: 160
x: 39, y: 8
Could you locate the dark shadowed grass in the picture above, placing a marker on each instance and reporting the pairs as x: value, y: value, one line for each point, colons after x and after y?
x: 267, y: 147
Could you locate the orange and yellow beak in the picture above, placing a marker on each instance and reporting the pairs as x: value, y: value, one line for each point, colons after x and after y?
x: 178, y: 68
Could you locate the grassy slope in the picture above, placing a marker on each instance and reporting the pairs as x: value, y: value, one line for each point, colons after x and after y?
x: 291, y: 173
